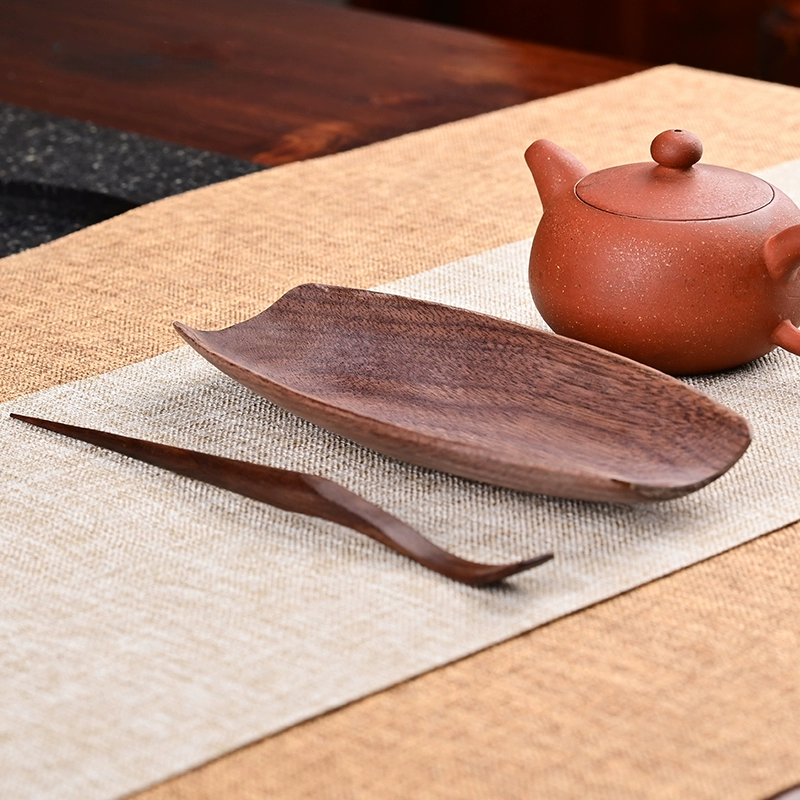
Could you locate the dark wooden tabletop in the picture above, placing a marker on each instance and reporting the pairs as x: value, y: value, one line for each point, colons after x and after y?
x: 267, y: 80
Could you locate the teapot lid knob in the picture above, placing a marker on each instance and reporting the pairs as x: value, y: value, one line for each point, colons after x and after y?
x: 677, y: 149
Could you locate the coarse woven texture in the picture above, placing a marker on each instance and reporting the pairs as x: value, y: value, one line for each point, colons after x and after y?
x: 685, y: 687
x: 157, y: 567
x: 89, y: 303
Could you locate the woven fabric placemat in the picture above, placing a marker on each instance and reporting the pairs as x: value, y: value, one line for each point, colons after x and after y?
x: 105, y: 298
x: 682, y: 688
x: 157, y: 567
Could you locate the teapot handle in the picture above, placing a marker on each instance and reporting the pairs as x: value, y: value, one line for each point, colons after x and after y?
x: 782, y: 253
x: 787, y: 336
x: 782, y: 256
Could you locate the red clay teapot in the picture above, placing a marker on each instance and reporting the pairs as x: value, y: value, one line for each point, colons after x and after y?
x: 688, y: 268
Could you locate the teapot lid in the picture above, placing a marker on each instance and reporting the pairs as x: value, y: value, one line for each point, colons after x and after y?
x: 674, y: 188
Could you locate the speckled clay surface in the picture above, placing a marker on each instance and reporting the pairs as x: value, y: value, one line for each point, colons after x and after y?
x: 689, y: 269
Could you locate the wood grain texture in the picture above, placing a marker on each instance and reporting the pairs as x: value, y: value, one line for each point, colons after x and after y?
x: 301, y: 493
x: 478, y: 396
x: 720, y: 35
x: 272, y: 81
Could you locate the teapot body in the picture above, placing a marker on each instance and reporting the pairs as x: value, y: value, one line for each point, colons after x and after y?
x: 685, y: 297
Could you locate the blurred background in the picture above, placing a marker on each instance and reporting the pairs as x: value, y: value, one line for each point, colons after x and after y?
x: 106, y: 104
x: 754, y: 38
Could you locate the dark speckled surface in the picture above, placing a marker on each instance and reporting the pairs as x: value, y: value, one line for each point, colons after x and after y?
x: 131, y: 169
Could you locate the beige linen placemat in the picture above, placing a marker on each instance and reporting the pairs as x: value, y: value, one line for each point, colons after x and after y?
x: 208, y: 621
x: 101, y: 299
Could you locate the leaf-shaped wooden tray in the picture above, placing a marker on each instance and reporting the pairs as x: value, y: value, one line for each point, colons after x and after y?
x: 478, y: 396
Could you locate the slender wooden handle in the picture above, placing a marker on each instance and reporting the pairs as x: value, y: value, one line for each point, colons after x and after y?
x: 312, y: 495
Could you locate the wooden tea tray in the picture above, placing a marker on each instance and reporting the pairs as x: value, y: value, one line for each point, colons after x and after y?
x: 479, y: 396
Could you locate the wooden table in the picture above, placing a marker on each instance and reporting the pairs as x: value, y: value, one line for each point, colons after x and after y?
x: 720, y: 35
x: 272, y: 81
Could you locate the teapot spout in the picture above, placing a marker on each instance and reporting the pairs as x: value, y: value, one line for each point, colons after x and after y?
x: 553, y: 168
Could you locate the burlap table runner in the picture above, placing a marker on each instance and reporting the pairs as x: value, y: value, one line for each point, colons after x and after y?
x: 647, y: 695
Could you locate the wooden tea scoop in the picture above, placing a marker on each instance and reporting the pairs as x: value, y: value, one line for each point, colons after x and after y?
x: 301, y: 493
